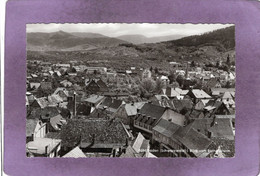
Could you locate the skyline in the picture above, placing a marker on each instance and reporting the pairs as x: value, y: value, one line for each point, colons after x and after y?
x: 118, y: 29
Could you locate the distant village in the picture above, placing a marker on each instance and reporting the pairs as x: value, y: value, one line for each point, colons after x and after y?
x: 77, y: 110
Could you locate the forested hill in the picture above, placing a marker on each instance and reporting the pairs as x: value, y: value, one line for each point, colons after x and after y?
x: 225, y: 37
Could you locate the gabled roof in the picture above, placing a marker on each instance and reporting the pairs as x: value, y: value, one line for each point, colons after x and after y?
x: 46, y: 86
x: 94, y: 99
x: 30, y: 126
x: 38, y: 145
x: 54, y: 99
x: 180, y: 104
x: 198, y: 93
x: 49, y: 112
x: 83, y: 109
x: 171, y: 92
x: 111, y: 104
x: 35, y: 85
x: 140, y: 144
x: 174, y: 117
x: 152, y: 110
x: 42, y: 102
x: 130, y: 109
x: 62, y: 89
x: 75, y: 153
x: 212, y: 82
x: 166, y: 127
x: 222, y: 128
x: 227, y: 95
x: 196, y: 142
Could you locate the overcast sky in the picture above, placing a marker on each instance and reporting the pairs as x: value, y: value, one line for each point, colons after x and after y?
x: 116, y: 29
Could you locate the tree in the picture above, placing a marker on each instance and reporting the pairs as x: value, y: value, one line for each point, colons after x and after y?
x: 156, y: 71
x: 148, y: 85
x: 228, y: 60
x: 226, y: 68
x: 193, y: 64
x: 172, y: 76
x: 217, y: 64
x: 180, y: 80
x: 158, y: 85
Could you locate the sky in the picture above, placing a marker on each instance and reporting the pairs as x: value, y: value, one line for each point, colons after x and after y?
x: 118, y: 29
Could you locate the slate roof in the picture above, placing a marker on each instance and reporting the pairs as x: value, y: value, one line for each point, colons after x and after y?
x: 91, y: 133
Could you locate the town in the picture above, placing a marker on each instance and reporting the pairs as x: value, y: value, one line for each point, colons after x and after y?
x: 82, y: 109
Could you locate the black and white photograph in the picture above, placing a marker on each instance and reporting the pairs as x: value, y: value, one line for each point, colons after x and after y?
x: 130, y: 90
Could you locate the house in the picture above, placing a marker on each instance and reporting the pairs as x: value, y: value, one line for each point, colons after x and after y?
x: 110, y: 105
x: 95, y: 86
x: 94, y: 101
x: 97, y: 137
x: 126, y: 113
x: 147, y: 117
x: 43, y: 147
x: 221, y: 91
x: 35, y: 129
x: 182, y: 106
x: 163, y: 132
x: 40, y: 103
x: 213, y: 83
x: 66, y: 83
x: 192, y: 142
x: 62, y: 92
x: 75, y: 153
x: 173, y: 117
x: 141, y: 144
x: 34, y: 85
x: 54, y: 100
x: 198, y: 94
x: 172, y: 92
x: 83, y: 109
x: 164, y: 79
x: 201, y: 104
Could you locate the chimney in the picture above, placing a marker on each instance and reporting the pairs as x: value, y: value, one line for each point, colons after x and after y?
x: 127, y: 142
x: 46, y: 150
x: 74, y: 104
x: 114, y: 152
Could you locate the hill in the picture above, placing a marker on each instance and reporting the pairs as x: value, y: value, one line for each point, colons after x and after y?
x: 210, y: 47
x: 63, y: 41
x: 141, y: 39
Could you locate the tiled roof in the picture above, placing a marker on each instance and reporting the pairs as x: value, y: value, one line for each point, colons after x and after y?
x: 93, y: 132
x: 166, y: 127
x: 94, y: 99
x: 46, y: 86
x: 152, y: 110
